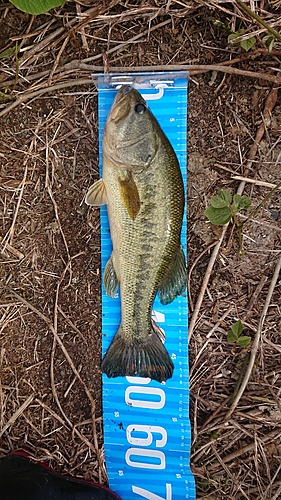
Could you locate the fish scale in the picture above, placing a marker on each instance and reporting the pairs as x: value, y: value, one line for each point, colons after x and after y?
x: 130, y: 236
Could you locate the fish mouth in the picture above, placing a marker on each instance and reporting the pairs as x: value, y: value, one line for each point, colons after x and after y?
x: 123, y: 91
x: 121, y: 105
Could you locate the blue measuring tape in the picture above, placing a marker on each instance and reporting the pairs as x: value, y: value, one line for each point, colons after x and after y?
x: 147, y: 434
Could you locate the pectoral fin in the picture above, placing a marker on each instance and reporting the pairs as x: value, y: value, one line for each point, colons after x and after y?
x: 129, y: 194
x: 97, y: 194
x: 110, y: 279
x: 175, y: 281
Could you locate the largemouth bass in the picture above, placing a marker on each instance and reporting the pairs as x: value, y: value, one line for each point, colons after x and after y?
x: 143, y: 189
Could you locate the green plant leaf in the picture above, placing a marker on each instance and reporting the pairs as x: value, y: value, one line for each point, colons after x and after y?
x: 217, y: 22
x: 269, y: 41
x: 5, y: 97
x: 224, y: 25
x: 9, y: 52
x: 244, y: 340
x: 241, y: 202
x: 214, y: 435
x: 231, y: 38
x: 204, y: 485
x: 231, y: 336
x: 36, y: 6
x: 218, y: 216
x: 248, y: 43
x: 237, y: 328
x: 222, y: 199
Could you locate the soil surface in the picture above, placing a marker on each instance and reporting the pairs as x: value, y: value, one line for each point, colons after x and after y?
x: 50, y: 259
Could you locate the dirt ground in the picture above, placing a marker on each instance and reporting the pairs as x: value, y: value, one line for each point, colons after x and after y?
x: 50, y: 327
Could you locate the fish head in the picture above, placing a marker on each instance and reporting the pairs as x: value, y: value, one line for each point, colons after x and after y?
x: 130, y: 136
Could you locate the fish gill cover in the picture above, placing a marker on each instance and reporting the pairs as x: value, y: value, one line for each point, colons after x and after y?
x: 147, y: 435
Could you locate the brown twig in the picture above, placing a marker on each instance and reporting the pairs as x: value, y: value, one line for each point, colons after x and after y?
x: 17, y: 414
x: 250, y: 447
x: 191, y: 269
x: 27, y: 96
x: 268, y: 108
x: 68, y: 320
x: 57, y: 60
x: 75, y: 371
x: 12, y: 250
x: 193, y: 69
x: 255, y: 344
x: 8, y: 238
x: 205, y: 283
x: 131, y: 69
x: 66, y: 425
x: 258, y: 19
x: 254, y: 181
x: 269, y: 105
x: 208, y: 336
x: 79, y: 64
x: 89, y: 14
x: 50, y: 192
x: 255, y: 295
x: 82, y: 29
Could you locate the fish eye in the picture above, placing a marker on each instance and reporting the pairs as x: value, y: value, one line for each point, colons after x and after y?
x: 140, y: 108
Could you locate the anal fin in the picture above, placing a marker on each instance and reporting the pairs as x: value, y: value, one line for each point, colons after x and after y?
x: 110, y: 279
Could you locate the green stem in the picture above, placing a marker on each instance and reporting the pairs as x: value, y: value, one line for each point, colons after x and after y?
x: 17, y: 66
x: 236, y: 221
x: 240, y: 378
x: 259, y: 19
x: 257, y: 209
x: 239, y: 228
x: 240, y: 239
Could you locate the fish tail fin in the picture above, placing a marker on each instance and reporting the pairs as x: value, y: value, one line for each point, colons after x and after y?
x: 140, y: 358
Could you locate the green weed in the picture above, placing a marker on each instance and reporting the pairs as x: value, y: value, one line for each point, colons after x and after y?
x: 235, y: 335
x: 38, y: 6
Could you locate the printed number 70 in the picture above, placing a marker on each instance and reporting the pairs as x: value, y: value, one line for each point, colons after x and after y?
x: 151, y: 496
